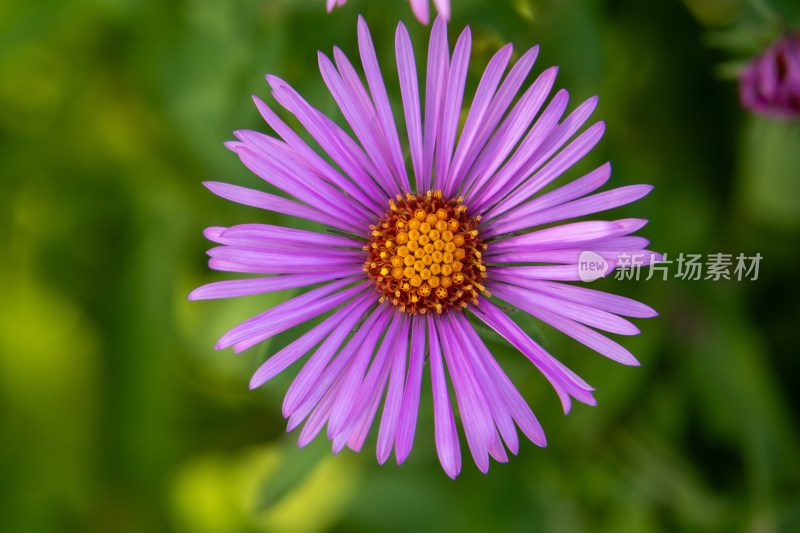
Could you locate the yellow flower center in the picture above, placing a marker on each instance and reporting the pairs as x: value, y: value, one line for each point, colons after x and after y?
x: 425, y: 254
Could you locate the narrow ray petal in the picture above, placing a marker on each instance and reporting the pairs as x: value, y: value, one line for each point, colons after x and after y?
x: 370, y: 393
x: 526, y: 299
x: 499, y: 104
x: 318, y: 417
x: 486, y: 190
x: 477, y: 110
x: 357, y: 107
x: 246, y: 287
x: 317, y: 375
x: 435, y: 89
x: 443, y: 7
x: 553, y: 169
x: 316, y: 163
x: 381, y: 100
x: 268, y: 161
x: 336, y: 143
x: 564, y: 381
x: 352, y: 380
x: 290, y: 313
x: 575, y: 189
x: 291, y: 353
x: 409, y: 410
x: 394, y: 394
x: 446, y: 436
x: 482, y: 375
x: 518, y: 407
x: 513, y: 128
x: 409, y: 90
x: 421, y: 10
x: 565, y: 236
x: 270, y: 202
x: 454, y: 96
x: 475, y: 416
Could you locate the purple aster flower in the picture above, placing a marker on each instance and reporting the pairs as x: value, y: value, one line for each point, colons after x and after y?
x: 770, y: 84
x: 419, y: 7
x: 403, y: 265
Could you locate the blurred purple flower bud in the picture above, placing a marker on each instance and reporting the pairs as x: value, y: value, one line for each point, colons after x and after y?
x: 770, y: 84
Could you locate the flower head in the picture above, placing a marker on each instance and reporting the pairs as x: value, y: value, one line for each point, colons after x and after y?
x: 419, y: 7
x: 770, y: 84
x: 402, y: 266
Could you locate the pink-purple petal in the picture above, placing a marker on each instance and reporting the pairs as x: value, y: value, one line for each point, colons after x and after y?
x: 370, y: 392
x: 575, y: 189
x: 526, y: 299
x: 452, y: 111
x: 585, y: 206
x: 435, y: 89
x: 587, y: 336
x: 552, y: 272
x: 359, y: 433
x: 475, y: 417
x: 443, y: 7
x: 354, y: 376
x: 500, y: 102
x: 286, y: 263
x: 409, y: 410
x: 612, y: 303
x: 477, y: 110
x: 272, y: 160
x: 553, y: 143
x: 553, y: 169
x: 318, y: 417
x: 445, y: 433
x: 565, y: 382
x: 566, y: 236
x: 266, y: 233
x: 292, y: 312
x: 487, y: 191
x: 497, y: 406
x: 270, y: 202
x: 375, y: 80
x: 317, y: 375
x: 314, y: 162
x: 512, y: 129
x: 336, y: 143
x: 409, y: 90
x: 421, y: 10
x: 291, y: 353
x: 484, y: 179
x: 517, y: 406
x: 394, y: 395
x: 357, y: 107
x: 245, y: 287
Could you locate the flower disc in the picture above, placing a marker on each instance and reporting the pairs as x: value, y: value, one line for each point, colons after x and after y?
x: 424, y: 254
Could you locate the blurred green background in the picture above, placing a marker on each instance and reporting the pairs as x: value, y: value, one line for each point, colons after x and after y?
x: 116, y: 414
